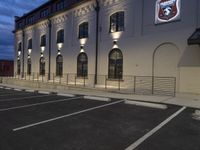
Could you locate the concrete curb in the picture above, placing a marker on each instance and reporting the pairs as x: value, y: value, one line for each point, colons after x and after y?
x: 146, y: 104
x: 30, y: 90
x: 105, y: 99
x: 18, y: 89
x: 43, y: 92
x: 67, y: 95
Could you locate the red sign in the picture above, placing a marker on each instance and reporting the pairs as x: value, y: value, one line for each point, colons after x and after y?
x: 167, y: 10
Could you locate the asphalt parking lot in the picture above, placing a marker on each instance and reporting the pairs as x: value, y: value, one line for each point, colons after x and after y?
x: 36, y: 121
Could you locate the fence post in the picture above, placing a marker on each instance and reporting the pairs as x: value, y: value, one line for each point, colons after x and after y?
x: 37, y: 77
x: 67, y: 79
x: 33, y: 76
x: 134, y: 88
x: 59, y: 79
x: 42, y: 77
x: 152, y: 85
x: 119, y: 84
x: 84, y: 80
x: 105, y: 82
x: 174, y: 86
x: 53, y: 78
x: 75, y: 80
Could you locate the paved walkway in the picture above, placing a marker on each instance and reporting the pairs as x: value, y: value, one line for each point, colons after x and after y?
x: 182, y: 99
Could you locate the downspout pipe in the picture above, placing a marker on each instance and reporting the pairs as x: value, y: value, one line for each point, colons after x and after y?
x: 49, y: 67
x: 23, y: 50
x: 97, y: 9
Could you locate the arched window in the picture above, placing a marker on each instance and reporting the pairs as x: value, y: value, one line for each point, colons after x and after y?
x: 60, y: 36
x: 59, y: 65
x: 115, y: 68
x: 82, y: 65
x: 29, y: 66
x: 117, y: 22
x: 83, y: 30
x: 42, y: 66
x: 18, y: 67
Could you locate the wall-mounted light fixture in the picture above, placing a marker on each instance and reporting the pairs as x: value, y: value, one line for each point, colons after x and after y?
x: 81, y: 49
x: 115, y: 44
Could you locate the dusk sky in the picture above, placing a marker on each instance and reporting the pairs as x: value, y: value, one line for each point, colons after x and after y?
x: 9, y: 9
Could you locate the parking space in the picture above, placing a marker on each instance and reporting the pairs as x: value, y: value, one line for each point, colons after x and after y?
x: 52, y: 122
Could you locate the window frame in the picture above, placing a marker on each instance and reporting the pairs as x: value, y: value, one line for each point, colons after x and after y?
x: 59, y: 66
x: 42, y: 66
x: 82, y: 66
x: 60, y: 36
x: 83, y: 30
x: 118, y: 24
x: 116, y: 65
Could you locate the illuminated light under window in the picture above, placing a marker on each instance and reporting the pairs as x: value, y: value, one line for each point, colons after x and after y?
x: 19, y: 53
x: 83, y: 41
x: 59, y: 53
x: 60, y: 45
x: 42, y: 48
x: 42, y: 55
x: 29, y: 51
x: 116, y: 35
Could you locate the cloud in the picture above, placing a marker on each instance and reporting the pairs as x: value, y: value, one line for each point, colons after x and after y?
x: 9, y: 9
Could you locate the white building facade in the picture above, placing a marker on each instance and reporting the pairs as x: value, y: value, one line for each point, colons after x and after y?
x: 118, y: 39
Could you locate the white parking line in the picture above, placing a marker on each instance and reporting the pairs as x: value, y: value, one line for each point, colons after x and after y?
x: 97, y: 98
x: 154, y: 130
x: 68, y: 115
x: 67, y: 95
x: 37, y: 104
x: 20, y: 98
x: 146, y: 104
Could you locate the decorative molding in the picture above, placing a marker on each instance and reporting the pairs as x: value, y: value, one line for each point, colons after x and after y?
x: 109, y: 2
x: 60, y: 19
x: 84, y: 10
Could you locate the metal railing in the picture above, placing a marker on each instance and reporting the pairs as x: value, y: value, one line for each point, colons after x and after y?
x: 146, y: 85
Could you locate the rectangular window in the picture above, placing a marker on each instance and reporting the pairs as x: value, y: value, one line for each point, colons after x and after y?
x: 44, y: 13
x: 43, y: 40
x: 60, y: 5
x: 30, y: 20
x: 60, y: 36
x: 30, y: 44
x: 20, y: 46
x: 20, y: 25
x: 117, y: 22
x: 83, y: 30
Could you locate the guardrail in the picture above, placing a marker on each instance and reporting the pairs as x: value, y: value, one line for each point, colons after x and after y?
x: 146, y: 85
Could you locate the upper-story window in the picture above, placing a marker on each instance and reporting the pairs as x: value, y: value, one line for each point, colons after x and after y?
x: 30, y: 20
x: 20, y: 47
x: 117, y: 22
x: 30, y: 44
x: 44, y: 13
x: 83, y: 30
x: 60, y: 5
x: 60, y: 36
x: 43, y: 40
x: 20, y: 25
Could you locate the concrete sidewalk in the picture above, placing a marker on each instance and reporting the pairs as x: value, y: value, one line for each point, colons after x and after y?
x: 181, y: 99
